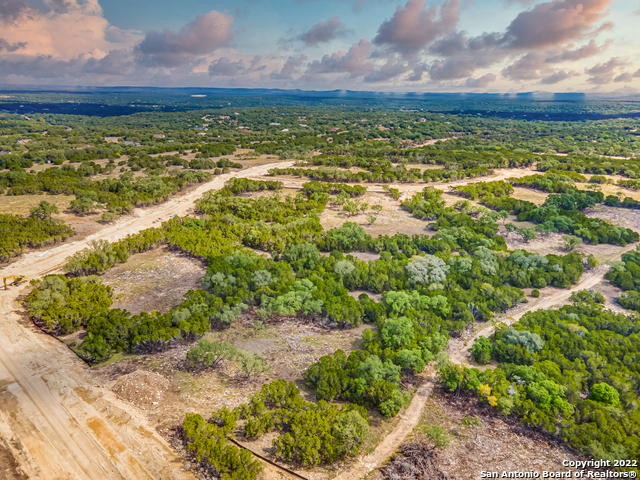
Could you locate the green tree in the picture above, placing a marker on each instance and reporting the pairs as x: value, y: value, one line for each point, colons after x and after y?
x: 44, y: 210
x: 211, y: 354
x: 396, y: 333
x: 427, y: 270
x: 571, y: 242
x: 251, y: 364
x: 603, y: 393
x: 481, y: 350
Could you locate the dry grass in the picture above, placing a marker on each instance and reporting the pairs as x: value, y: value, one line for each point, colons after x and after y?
x: 22, y: 204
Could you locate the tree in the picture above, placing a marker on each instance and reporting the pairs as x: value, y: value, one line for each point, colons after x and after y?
x: 344, y: 267
x: 371, y: 219
x: 108, y: 217
x: 603, y: 393
x: 570, y: 242
x: 83, y: 205
x: 350, y: 430
x: 364, y: 207
x: 351, y: 208
x: 44, y: 210
x: 211, y: 354
x: 481, y: 350
x: 251, y: 364
x: 427, y: 270
x: 396, y: 333
x: 376, y: 208
x: 531, y: 341
x: 527, y: 234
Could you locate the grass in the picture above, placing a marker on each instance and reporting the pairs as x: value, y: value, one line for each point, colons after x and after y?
x: 379, y: 428
x: 437, y: 435
x: 116, y: 357
x: 22, y: 204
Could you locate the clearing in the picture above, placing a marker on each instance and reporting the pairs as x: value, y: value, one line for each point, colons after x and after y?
x: 153, y: 280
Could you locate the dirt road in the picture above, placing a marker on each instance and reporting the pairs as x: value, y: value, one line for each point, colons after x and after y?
x: 55, y: 423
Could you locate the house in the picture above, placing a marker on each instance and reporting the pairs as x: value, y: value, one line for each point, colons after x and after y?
x: 22, y: 142
x: 5, y: 152
x: 158, y: 135
x: 133, y: 144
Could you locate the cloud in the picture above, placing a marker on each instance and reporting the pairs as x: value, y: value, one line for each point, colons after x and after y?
x: 412, y: 28
x: 116, y: 63
x: 391, y: 69
x: 538, y: 37
x: 585, y: 51
x: 290, y: 68
x: 526, y: 67
x: 604, y: 73
x: 225, y: 67
x: 358, y: 5
x: 557, y: 77
x: 86, y: 7
x: 556, y: 22
x: 11, y: 10
x: 354, y: 62
x: 324, y: 32
x: 481, y: 82
x: 624, y: 77
x: 11, y: 47
x: 205, y: 34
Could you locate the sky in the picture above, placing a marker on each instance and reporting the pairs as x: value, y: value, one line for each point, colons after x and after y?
x: 475, y: 46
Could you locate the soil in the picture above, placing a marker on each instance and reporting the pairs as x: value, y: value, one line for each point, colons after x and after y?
x: 499, y: 443
x: 154, y: 280
x: 141, y: 388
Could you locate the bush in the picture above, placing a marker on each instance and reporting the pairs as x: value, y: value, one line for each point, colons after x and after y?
x: 211, y: 354
x: 535, y: 293
x: 481, y: 350
x: 437, y: 435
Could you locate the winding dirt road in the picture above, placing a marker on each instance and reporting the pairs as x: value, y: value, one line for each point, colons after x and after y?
x: 56, y: 424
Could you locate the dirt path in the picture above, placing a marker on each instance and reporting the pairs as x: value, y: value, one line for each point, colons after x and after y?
x: 54, y: 421
x: 409, y: 189
x: 408, y: 420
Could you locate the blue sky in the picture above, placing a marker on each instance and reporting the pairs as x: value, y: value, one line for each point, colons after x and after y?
x: 409, y: 45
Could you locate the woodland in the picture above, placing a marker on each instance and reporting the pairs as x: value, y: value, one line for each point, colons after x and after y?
x: 571, y: 372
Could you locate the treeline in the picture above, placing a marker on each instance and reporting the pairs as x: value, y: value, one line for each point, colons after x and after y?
x: 552, y: 182
x: 384, y: 175
x: 17, y: 232
x: 560, y: 213
x: 572, y: 371
x: 626, y: 275
x: 593, y: 164
x: 116, y: 195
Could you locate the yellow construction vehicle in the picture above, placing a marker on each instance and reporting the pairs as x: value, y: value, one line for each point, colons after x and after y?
x: 17, y: 280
